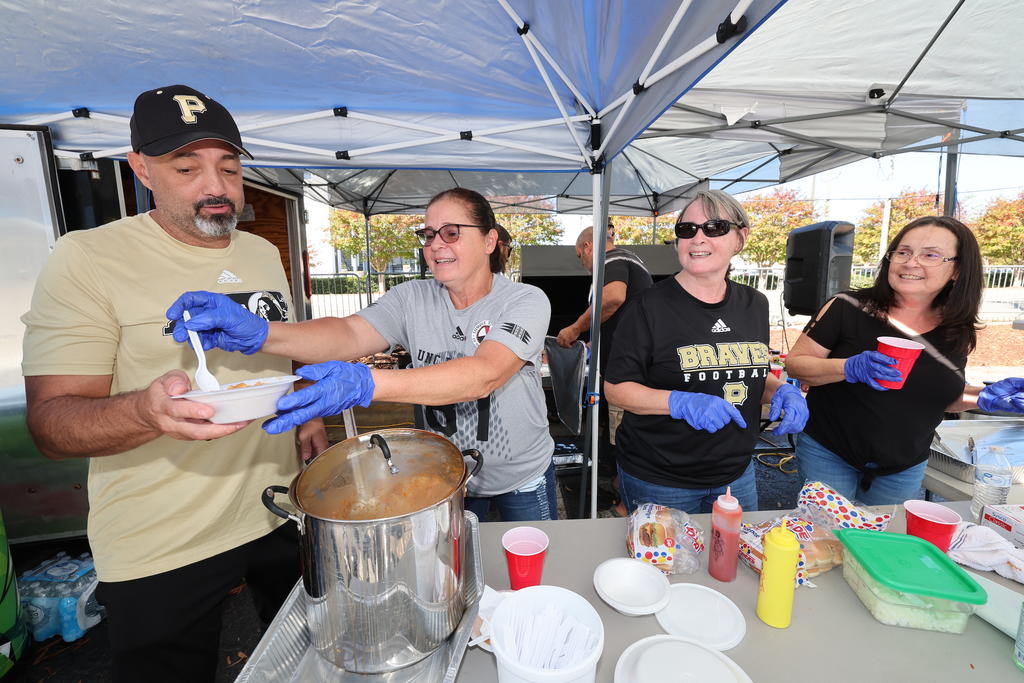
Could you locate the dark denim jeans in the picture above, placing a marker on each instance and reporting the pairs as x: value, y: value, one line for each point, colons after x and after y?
x: 519, y: 505
x: 818, y: 463
x: 692, y: 501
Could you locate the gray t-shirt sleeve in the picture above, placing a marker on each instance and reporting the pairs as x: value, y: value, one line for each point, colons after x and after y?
x: 389, y: 314
x: 523, y: 323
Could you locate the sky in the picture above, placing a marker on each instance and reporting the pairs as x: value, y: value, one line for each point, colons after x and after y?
x: 846, y: 192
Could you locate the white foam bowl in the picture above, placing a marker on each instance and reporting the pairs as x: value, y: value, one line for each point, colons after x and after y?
x: 257, y: 399
x: 631, y: 587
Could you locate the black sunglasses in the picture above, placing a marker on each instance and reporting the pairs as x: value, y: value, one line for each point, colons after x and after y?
x: 716, y: 227
x: 449, y: 232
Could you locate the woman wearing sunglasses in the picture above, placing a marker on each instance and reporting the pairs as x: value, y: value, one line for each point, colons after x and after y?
x: 868, y: 442
x: 475, y: 338
x: 690, y: 366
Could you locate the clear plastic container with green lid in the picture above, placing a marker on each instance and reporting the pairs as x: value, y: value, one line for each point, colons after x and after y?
x: 906, y: 581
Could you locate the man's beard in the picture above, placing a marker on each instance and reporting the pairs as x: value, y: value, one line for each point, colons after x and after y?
x: 219, y: 224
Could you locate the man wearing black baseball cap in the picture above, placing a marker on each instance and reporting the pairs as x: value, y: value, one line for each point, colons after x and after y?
x: 174, y: 516
x: 169, y: 118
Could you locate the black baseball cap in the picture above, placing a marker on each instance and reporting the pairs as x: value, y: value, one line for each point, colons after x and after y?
x: 171, y: 117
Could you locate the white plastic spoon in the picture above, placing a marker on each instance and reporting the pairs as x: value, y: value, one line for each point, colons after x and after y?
x: 204, y: 378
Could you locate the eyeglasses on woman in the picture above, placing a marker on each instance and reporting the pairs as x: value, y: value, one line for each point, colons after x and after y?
x: 449, y: 232
x: 928, y: 259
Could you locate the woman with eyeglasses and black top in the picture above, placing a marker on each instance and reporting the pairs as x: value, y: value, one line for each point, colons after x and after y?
x: 690, y: 366
x: 868, y: 442
x: 475, y: 338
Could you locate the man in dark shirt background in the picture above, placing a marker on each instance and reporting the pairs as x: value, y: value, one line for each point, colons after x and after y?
x: 625, y: 276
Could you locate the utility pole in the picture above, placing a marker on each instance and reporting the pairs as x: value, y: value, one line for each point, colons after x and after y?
x: 883, y: 238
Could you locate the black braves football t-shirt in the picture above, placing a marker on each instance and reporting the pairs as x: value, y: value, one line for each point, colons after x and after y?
x: 670, y: 340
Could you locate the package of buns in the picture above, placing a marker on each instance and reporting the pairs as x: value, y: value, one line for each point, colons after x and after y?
x: 820, y: 510
x: 666, y: 538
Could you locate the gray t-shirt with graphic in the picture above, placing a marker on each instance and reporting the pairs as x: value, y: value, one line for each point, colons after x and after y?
x: 509, y: 427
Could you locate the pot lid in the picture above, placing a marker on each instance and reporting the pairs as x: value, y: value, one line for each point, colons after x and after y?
x: 354, y: 480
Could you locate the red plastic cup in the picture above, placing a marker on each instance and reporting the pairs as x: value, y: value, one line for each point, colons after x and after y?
x: 931, y: 521
x: 904, y: 351
x: 525, y: 548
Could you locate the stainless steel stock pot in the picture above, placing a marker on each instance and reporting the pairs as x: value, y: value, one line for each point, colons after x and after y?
x: 381, y: 522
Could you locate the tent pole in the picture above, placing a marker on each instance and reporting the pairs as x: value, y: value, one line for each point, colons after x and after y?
x: 949, y: 194
x: 600, y: 192
x: 369, y: 274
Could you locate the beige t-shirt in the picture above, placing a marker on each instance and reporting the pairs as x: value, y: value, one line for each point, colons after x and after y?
x: 99, y: 309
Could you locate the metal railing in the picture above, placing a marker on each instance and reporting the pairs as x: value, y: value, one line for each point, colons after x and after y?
x: 341, y: 294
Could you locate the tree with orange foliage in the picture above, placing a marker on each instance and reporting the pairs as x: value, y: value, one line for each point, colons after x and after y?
x: 772, y: 217
x: 906, y: 206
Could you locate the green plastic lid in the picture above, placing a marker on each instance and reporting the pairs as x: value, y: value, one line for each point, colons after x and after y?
x: 911, y: 565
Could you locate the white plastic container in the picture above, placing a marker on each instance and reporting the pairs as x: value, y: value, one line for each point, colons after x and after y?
x: 534, y: 600
x: 234, y: 403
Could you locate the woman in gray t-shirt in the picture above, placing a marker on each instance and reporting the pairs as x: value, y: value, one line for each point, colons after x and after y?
x: 475, y: 339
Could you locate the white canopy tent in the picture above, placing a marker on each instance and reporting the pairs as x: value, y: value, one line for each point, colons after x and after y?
x: 817, y: 86
x: 521, y: 86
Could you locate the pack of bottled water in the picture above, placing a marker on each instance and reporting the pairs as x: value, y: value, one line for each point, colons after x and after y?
x: 58, y: 597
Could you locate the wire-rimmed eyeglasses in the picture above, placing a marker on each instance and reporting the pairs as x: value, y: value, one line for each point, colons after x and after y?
x: 716, y: 227
x: 928, y: 259
x: 449, y: 232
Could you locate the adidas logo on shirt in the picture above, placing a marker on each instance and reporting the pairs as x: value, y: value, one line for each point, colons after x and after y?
x: 720, y: 326
x: 227, y: 277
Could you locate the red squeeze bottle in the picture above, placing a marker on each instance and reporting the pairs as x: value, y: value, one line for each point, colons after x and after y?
x: 726, y: 514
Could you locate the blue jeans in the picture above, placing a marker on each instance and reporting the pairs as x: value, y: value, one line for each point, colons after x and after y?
x: 520, y: 505
x: 635, y: 492
x: 818, y: 463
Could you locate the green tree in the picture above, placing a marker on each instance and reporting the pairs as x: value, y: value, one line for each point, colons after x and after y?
x: 772, y: 217
x: 528, y: 228
x: 1000, y: 231
x: 637, y: 229
x: 391, y: 236
x: 906, y: 206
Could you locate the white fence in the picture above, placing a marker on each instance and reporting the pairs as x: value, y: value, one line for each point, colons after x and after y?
x: 341, y: 294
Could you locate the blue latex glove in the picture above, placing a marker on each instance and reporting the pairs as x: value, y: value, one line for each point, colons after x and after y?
x: 1006, y: 395
x: 703, y: 411
x: 870, y: 366
x: 788, y: 402
x: 220, y: 322
x: 338, y: 386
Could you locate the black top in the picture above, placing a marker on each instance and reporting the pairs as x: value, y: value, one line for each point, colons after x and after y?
x: 621, y: 265
x: 668, y: 339
x: 892, y: 429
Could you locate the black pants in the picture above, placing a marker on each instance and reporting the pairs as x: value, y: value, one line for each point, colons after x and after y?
x: 166, y: 627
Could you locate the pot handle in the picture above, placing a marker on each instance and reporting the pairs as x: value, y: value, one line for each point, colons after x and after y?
x: 268, y: 502
x: 475, y: 454
x: 378, y: 441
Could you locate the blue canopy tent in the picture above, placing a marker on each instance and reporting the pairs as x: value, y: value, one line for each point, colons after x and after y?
x: 510, y: 86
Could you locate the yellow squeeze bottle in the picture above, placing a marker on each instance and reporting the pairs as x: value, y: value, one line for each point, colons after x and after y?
x: 778, y: 577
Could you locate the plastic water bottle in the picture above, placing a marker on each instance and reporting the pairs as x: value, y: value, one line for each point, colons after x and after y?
x: 992, y: 479
x: 67, y: 609
x: 41, y: 611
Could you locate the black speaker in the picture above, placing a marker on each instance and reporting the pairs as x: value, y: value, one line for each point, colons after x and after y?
x: 818, y: 261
